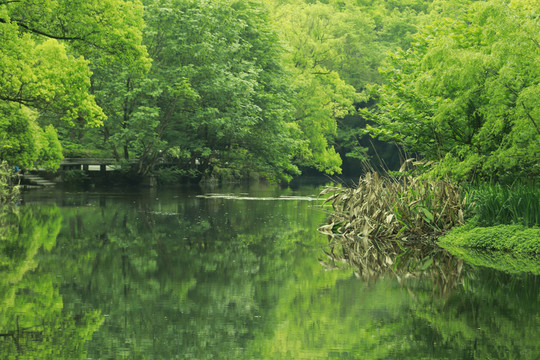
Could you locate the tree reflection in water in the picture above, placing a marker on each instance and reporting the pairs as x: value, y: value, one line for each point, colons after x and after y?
x: 33, y: 324
x: 178, y: 276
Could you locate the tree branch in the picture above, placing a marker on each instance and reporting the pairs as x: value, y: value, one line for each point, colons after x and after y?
x: 57, y: 37
x: 42, y: 33
x: 25, y: 102
x: 535, y: 42
x: 530, y: 117
x: 522, y: 103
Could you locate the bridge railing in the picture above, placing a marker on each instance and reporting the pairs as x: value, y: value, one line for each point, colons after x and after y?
x: 85, y: 164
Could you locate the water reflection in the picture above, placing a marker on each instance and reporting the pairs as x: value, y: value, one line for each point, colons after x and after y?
x: 457, y: 309
x: 167, y: 274
x: 372, y: 259
x: 33, y: 324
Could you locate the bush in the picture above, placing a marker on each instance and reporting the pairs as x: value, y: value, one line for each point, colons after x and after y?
x: 9, y: 191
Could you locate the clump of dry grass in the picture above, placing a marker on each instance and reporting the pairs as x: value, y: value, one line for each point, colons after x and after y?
x: 386, y: 208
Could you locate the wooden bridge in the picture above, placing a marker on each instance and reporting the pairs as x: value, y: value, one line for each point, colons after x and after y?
x: 35, y: 179
x: 90, y: 164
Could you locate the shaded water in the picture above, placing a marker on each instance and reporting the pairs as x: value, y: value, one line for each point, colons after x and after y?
x: 243, y: 274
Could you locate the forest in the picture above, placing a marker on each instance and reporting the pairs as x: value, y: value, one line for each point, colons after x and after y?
x: 232, y: 89
x: 431, y: 106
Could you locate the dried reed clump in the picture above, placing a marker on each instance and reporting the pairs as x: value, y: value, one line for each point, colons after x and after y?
x: 385, y: 208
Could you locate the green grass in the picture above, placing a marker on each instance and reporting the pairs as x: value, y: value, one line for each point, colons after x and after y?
x: 495, y: 204
x: 500, y: 217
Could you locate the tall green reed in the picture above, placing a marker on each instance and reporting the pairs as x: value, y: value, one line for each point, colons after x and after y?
x: 494, y: 204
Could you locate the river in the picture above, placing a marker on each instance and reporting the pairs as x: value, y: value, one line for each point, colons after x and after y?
x: 242, y: 273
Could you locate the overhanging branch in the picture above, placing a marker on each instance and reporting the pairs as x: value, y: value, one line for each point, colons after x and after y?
x: 42, y: 33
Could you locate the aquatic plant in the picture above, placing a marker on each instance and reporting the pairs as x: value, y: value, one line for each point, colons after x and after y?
x: 387, y: 208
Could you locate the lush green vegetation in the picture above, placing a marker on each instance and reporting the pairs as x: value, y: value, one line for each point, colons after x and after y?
x: 234, y: 88
x: 501, y: 217
x: 383, y: 209
x: 8, y: 188
x: 465, y: 93
x: 516, y: 238
x: 494, y: 204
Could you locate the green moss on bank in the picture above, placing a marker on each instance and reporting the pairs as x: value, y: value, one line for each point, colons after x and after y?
x: 514, y: 238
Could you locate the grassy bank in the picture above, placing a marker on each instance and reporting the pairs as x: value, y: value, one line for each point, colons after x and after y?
x: 497, y: 217
x: 514, y: 238
x: 500, y: 217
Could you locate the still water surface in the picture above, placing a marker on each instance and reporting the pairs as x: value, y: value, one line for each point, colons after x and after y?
x: 242, y: 273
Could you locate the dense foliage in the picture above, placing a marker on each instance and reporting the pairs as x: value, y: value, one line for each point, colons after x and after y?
x: 466, y: 92
x: 43, y: 71
x: 9, y: 191
x: 238, y: 88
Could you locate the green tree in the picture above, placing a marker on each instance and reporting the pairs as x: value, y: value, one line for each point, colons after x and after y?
x: 43, y: 71
x: 336, y: 49
x: 466, y: 93
x: 215, y: 101
x: 320, y: 38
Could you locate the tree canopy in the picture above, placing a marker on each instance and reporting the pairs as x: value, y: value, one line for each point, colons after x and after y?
x: 43, y: 69
x: 466, y: 92
x: 238, y: 88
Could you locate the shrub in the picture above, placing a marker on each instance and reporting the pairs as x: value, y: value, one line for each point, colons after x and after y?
x: 9, y: 191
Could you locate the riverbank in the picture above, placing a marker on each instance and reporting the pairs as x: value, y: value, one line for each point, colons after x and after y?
x: 481, y: 216
x: 514, y: 238
x: 500, y: 217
